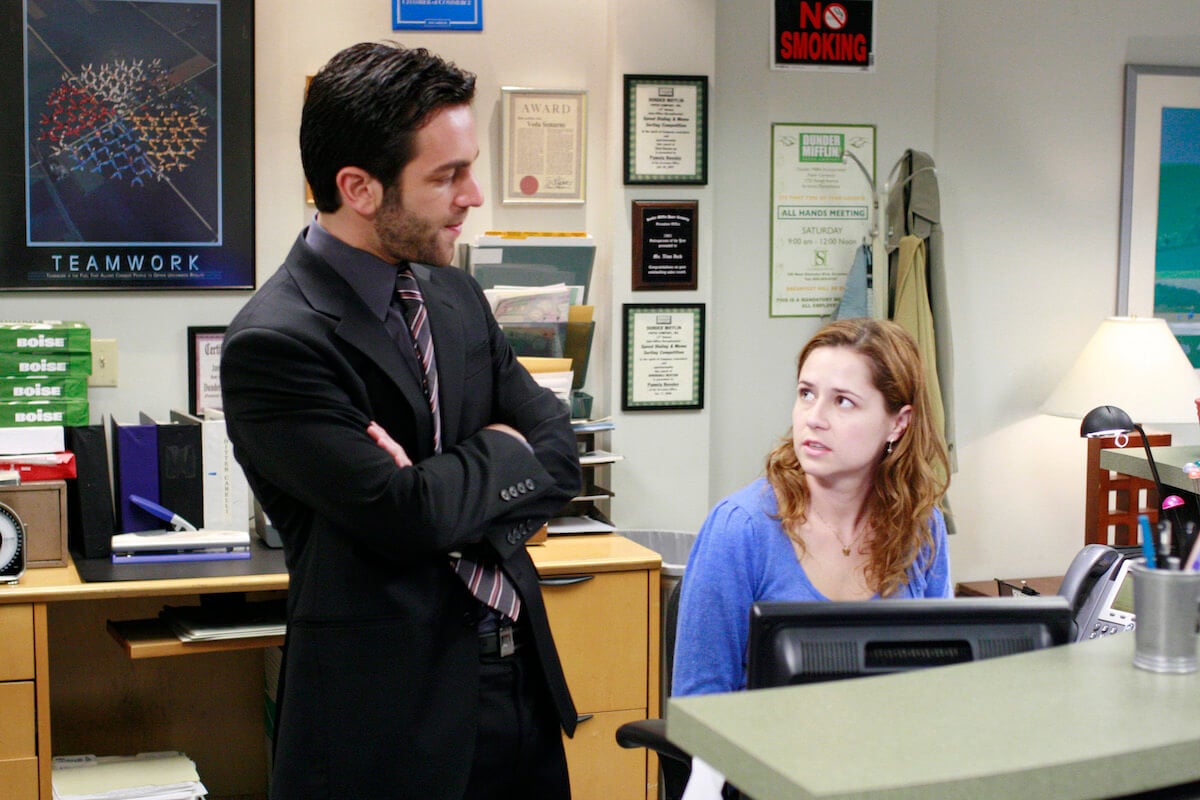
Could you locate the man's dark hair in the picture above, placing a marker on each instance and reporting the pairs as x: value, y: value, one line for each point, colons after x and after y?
x: 364, y: 108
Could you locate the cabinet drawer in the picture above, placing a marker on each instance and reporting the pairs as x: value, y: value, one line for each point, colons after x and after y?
x: 16, y: 632
x: 19, y: 778
x: 18, y: 722
x: 600, y: 768
x: 601, y: 629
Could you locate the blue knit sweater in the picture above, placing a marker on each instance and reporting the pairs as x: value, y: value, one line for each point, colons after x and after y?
x: 742, y: 555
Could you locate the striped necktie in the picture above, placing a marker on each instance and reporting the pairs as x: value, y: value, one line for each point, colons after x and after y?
x: 415, y: 314
x: 486, y: 582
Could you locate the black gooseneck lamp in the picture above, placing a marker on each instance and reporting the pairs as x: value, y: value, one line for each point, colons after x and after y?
x: 1112, y: 421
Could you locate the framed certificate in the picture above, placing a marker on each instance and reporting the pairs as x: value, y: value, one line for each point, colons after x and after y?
x: 664, y: 244
x: 204, y: 368
x: 666, y: 129
x: 544, y: 143
x: 662, y: 357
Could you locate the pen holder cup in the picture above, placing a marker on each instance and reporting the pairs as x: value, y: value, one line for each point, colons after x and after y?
x: 1167, y: 605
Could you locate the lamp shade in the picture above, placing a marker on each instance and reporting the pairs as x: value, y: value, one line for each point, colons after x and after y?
x: 1134, y: 363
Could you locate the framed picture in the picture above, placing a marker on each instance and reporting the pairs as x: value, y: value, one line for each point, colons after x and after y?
x: 544, y: 143
x: 822, y: 191
x: 662, y: 357
x: 421, y: 15
x: 1159, y: 267
x: 666, y: 129
x: 132, y: 166
x: 664, y: 244
x: 204, y: 367
x: 308, y: 195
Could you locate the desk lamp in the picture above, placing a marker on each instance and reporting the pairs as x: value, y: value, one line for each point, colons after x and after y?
x: 1135, y: 363
x: 1112, y: 421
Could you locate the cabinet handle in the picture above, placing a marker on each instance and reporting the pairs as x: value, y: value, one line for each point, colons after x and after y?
x: 582, y: 718
x: 567, y: 581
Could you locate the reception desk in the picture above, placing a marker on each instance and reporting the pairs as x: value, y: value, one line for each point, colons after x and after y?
x: 1169, y: 460
x: 1075, y: 721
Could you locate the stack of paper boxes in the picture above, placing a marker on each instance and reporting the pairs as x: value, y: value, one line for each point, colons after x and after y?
x: 44, y: 369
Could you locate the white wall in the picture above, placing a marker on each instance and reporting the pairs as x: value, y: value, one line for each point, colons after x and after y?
x: 1020, y: 104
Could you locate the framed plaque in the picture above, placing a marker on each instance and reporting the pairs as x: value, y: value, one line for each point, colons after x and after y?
x: 664, y: 244
x: 666, y: 129
x: 544, y: 144
x: 204, y: 368
x: 662, y: 357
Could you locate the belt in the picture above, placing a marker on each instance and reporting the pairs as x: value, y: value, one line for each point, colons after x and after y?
x: 502, y: 641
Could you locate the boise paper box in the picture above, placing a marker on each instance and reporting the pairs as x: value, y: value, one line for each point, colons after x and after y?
x: 43, y: 387
x: 49, y: 336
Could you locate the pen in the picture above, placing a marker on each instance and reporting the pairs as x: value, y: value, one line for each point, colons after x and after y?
x: 1192, y: 561
x: 1186, y: 541
x: 1147, y: 541
x: 165, y: 514
x: 1163, y: 560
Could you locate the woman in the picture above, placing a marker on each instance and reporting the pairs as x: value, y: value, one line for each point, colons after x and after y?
x: 847, y: 510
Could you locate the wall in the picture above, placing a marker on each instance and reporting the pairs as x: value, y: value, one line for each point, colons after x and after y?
x: 526, y: 43
x: 1020, y: 104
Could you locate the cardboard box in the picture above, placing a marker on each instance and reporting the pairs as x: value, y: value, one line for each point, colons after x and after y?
x: 42, y: 507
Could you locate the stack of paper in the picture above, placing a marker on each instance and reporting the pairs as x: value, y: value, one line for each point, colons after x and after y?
x: 157, y: 546
x: 552, y: 373
x: 239, y: 621
x: 167, y: 775
x: 533, y: 318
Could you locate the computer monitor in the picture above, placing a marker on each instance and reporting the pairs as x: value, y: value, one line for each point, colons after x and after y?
x: 804, y: 642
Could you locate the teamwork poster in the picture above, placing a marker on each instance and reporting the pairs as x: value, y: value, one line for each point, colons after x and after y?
x: 130, y: 164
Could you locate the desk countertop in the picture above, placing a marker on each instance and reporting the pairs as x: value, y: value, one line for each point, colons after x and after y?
x: 1075, y: 721
x: 1169, y: 460
x: 561, y: 555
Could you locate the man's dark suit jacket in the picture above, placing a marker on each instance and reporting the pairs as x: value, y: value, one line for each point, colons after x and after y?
x: 381, y: 673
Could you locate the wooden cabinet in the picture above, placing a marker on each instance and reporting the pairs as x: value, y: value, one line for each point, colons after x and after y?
x: 19, y: 700
x: 602, y: 598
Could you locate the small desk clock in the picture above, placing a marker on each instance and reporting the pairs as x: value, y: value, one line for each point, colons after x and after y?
x: 12, y: 545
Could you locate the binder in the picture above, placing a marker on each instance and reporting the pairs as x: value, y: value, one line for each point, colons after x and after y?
x: 90, y: 522
x: 135, y: 471
x: 226, y: 492
x: 180, y: 469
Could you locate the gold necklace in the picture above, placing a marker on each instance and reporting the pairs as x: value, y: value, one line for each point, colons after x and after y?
x: 845, y: 547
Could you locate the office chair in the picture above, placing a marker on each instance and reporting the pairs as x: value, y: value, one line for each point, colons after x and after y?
x: 674, y: 765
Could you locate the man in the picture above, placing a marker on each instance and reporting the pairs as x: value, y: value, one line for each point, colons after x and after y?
x: 389, y: 472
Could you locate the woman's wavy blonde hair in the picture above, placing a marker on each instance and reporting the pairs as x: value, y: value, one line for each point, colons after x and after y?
x: 909, y: 481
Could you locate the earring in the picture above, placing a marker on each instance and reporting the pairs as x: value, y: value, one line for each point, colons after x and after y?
x: 889, y: 447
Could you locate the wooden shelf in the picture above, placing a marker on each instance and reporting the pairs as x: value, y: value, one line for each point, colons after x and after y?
x: 153, y: 638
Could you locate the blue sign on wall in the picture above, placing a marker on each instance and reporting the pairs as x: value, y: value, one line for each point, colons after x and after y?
x: 434, y: 15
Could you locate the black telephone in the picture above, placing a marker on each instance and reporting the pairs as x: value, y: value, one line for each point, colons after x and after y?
x: 1098, y: 588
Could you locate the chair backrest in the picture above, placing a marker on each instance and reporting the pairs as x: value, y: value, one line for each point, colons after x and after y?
x: 670, y: 622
